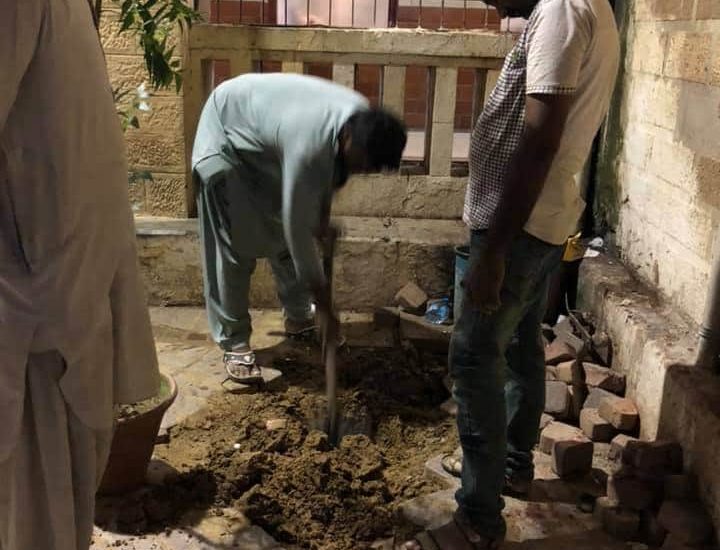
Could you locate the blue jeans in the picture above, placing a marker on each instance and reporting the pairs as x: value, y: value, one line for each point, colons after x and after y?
x: 498, y: 368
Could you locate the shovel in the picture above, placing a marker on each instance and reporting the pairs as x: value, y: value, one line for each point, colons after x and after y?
x: 329, y: 345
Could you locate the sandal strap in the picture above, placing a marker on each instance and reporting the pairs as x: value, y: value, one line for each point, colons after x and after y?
x: 246, y: 359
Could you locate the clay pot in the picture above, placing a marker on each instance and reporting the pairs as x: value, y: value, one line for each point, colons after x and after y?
x: 133, y: 444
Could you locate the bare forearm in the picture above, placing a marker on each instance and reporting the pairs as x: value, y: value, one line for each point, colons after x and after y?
x: 545, y: 118
x: 522, y: 188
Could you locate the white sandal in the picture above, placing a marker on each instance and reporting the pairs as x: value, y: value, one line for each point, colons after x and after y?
x: 241, y: 368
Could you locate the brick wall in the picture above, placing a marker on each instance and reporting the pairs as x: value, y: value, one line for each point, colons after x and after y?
x: 158, y: 146
x: 660, y: 172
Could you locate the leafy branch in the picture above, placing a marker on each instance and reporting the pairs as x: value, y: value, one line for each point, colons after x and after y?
x: 153, y: 22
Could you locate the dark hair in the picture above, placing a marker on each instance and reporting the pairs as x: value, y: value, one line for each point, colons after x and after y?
x: 381, y: 134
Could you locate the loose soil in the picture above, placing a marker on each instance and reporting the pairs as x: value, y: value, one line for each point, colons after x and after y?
x: 264, y: 454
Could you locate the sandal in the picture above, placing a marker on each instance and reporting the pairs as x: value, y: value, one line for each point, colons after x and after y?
x: 455, y: 535
x: 241, y: 368
x: 515, y: 486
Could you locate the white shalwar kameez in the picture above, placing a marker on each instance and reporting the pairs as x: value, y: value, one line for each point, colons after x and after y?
x: 75, y: 335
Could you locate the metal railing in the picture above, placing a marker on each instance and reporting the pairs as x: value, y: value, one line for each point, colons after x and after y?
x: 426, y: 14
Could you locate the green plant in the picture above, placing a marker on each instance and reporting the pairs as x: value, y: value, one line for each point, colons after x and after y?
x: 153, y: 22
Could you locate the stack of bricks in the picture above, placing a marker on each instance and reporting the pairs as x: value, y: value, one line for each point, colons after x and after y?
x: 578, y: 390
x: 649, y: 499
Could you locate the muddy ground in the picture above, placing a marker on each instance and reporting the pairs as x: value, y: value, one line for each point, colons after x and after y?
x: 263, y: 453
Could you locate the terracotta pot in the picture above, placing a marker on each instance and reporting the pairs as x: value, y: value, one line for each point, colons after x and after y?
x: 132, y: 446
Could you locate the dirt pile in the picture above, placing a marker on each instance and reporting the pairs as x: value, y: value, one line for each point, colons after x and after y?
x: 264, y: 455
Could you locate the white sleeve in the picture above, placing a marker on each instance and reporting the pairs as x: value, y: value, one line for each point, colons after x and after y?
x: 20, y: 23
x: 559, y: 35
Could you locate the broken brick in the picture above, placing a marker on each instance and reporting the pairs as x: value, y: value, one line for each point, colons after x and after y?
x: 632, y: 492
x: 621, y: 413
x: 557, y: 352
x: 557, y: 399
x: 557, y: 431
x: 618, y: 445
x: 654, y: 458
x: 681, y: 487
x: 595, y: 427
x: 604, y: 378
x: 618, y: 522
x: 572, y: 457
x: 596, y: 396
x: 550, y: 372
x: 411, y: 297
x: 687, y: 522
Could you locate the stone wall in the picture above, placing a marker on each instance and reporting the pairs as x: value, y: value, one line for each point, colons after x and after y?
x: 659, y: 176
x: 158, y: 145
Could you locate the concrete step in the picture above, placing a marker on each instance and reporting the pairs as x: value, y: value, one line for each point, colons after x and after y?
x: 375, y: 258
x: 402, y: 196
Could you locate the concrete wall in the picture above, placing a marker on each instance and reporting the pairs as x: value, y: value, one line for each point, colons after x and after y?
x: 158, y: 145
x: 659, y: 178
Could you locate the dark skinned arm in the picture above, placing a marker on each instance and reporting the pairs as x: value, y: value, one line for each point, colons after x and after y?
x: 545, y: 117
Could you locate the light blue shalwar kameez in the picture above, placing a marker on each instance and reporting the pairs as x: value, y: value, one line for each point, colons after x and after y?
x: 265, y: 160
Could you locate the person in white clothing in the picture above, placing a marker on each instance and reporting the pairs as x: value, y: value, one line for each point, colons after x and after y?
x: 75, y: 334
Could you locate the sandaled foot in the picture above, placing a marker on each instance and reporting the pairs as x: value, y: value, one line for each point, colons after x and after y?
x: 455, y: 535
x: 515, y: 486
x: 241, y: 368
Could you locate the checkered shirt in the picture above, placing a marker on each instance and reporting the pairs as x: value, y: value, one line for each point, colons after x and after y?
x: 496, y: 137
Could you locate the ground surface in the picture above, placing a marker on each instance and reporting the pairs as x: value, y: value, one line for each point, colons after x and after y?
x: 252, y: 470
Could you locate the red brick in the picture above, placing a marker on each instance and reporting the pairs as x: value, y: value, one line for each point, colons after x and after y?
x: 687, y: 522
x: 411, y: 297
x: 632, y: 492
x: 558, y: 352
x: 654, y: 458
x: 596, y: 397
x: 604, y: 378
x: 618, y: 446
x: 564, y: 371
x: 572, y: 457
x: 621, y: 413
x: 557, y: 399
x: 557, y: 431
x: 595, y: 427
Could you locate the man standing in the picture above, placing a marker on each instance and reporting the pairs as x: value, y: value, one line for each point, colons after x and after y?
x: 522, y: 204
x: 75, y: 335
x: 270, y: 151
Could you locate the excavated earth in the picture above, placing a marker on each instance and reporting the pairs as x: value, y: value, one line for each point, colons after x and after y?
x: 266, y: 454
